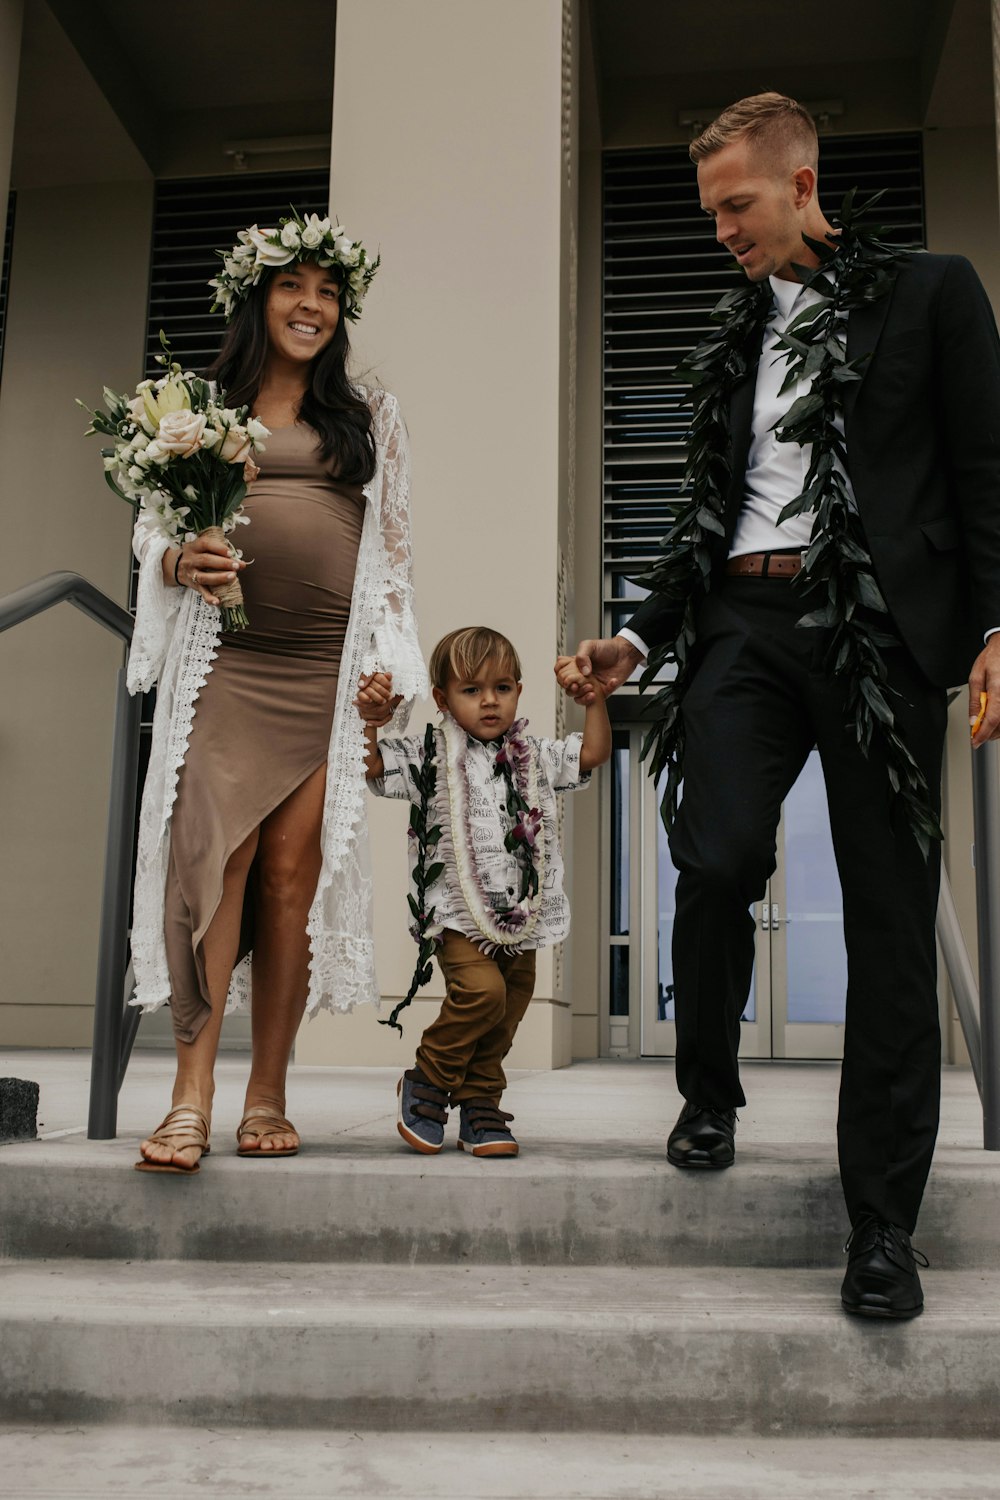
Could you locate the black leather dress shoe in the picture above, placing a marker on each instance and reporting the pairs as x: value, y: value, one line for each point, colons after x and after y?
x: 882, y: 1279
x: 703, y: 1137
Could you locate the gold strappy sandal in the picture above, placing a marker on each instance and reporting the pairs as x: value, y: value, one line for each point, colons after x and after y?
x: 270, y: 1121
x: 184, y: 1126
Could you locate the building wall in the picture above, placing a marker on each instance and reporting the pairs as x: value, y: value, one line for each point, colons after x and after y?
x: 449, y: 154
x: 585, y: 947
x: 11, y: 17
x: 467, y: 143
x: 75, y: 320
x: 963, y: 217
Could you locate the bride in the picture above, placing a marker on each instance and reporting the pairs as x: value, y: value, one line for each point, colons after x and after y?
x: 253, y: 882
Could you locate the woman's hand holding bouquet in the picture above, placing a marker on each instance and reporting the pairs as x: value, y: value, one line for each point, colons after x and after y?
x: 184, y: 460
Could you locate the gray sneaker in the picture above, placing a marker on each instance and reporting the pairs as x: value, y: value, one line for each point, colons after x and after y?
x: 484, y: 1130
x: 422, y: 1113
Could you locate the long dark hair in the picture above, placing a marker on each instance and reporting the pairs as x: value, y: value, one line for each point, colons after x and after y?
x: 331, y: 406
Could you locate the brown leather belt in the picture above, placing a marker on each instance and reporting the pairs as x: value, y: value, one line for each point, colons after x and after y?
x: 765, y: 565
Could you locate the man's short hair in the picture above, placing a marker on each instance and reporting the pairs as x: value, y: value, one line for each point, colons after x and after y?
x: 780, y: 126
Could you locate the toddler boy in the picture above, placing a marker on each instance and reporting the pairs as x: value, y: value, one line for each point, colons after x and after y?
x: 486, y: 871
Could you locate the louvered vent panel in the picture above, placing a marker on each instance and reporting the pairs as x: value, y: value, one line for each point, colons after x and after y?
x: 8, y: 240
x: 193, y: 218
x: 663, y: 273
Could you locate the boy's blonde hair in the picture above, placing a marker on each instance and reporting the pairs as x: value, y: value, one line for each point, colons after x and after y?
x: 778, y: 126
x: 462, y: 654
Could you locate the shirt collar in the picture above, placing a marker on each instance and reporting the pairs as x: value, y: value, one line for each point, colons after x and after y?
x: 786, y: 294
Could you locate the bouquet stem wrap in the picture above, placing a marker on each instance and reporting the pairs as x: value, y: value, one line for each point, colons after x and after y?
x: 230, y: 596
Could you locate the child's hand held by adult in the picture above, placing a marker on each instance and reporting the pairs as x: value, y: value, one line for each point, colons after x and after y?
x: 582, y: 686
x: 376, y: 702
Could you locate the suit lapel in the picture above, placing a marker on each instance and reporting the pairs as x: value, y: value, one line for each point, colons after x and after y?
x: 864, y: 328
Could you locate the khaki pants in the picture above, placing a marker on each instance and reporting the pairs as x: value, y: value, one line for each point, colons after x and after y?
x: 461, y: 1052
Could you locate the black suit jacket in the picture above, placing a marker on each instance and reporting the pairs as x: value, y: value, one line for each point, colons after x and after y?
x: 923, y: 453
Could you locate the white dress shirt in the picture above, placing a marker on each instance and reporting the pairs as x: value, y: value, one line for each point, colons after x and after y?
x: 776, y: 471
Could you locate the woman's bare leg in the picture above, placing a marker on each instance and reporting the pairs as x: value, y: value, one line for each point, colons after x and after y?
x: 288, y: 866
x: 195, y: 1080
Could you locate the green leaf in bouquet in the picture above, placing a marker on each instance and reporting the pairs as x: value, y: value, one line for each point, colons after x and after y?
x: 235, y: 495
x: 201, y: 393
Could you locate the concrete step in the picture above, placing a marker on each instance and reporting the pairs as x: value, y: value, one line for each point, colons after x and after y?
x: 492, y: 1349
x: 54, y: 1463
x: 588, y: 1204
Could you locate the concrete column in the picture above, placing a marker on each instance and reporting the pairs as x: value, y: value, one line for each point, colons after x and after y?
x: 453, y: 153
x: 11, y: 16
x: 72, y: 324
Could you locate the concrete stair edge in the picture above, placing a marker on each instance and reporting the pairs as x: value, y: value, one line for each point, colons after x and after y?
x: 493, y: 1348
x: 773, y: 1209
x: 94, y: 1463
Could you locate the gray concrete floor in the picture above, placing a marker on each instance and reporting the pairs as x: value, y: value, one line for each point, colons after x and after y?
x: 605, y: 1101
x: 790, y: 1103
x: 133, y: 1462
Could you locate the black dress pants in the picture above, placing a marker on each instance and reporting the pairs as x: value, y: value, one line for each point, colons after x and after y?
x: 758, y: 702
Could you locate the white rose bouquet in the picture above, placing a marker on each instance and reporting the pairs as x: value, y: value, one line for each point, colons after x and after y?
x: 183, y: 460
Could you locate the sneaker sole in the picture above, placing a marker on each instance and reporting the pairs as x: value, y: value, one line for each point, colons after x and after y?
x: 497, y: 1148
x: 424, y: 1147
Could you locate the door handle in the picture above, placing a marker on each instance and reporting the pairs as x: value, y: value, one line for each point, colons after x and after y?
x: 765, y: 916
x: 777, y: 918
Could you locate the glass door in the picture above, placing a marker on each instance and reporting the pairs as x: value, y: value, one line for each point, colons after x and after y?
x: 808, y: 957
x: 797, y: 995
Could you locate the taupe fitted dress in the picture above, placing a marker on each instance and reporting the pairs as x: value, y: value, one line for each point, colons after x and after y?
x: 263, y: 719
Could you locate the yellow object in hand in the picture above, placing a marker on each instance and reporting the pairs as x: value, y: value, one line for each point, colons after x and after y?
x: 983, y: 700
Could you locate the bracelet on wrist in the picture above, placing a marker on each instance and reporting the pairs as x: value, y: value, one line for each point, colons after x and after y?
x: 180, y: 554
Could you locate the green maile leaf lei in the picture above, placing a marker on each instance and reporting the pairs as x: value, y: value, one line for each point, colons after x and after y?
x: 837, y: 581
x: 425, y: 931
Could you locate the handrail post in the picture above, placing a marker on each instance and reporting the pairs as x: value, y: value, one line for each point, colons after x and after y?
x: 986, y: 821
x: 960, y: 975
x: 112, y: 1038
x: 112, y: 959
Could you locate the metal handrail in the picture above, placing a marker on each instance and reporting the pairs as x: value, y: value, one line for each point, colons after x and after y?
x: 986, y: 826
x: 69, y: 588
x: 114, y: 1032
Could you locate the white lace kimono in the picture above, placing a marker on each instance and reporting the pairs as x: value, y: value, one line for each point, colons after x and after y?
x: 174, y: 645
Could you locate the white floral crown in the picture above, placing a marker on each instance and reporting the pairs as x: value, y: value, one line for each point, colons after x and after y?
x: 312, y: 238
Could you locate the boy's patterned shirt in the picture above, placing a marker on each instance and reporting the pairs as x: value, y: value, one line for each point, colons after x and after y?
x: 558, y: 765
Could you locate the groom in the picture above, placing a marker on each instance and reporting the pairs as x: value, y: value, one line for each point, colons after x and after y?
x: 921, y: 433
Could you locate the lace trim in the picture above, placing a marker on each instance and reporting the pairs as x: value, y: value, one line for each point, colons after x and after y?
x: 154, y: 613
x: 199, y: 627
x: 381, y: 633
